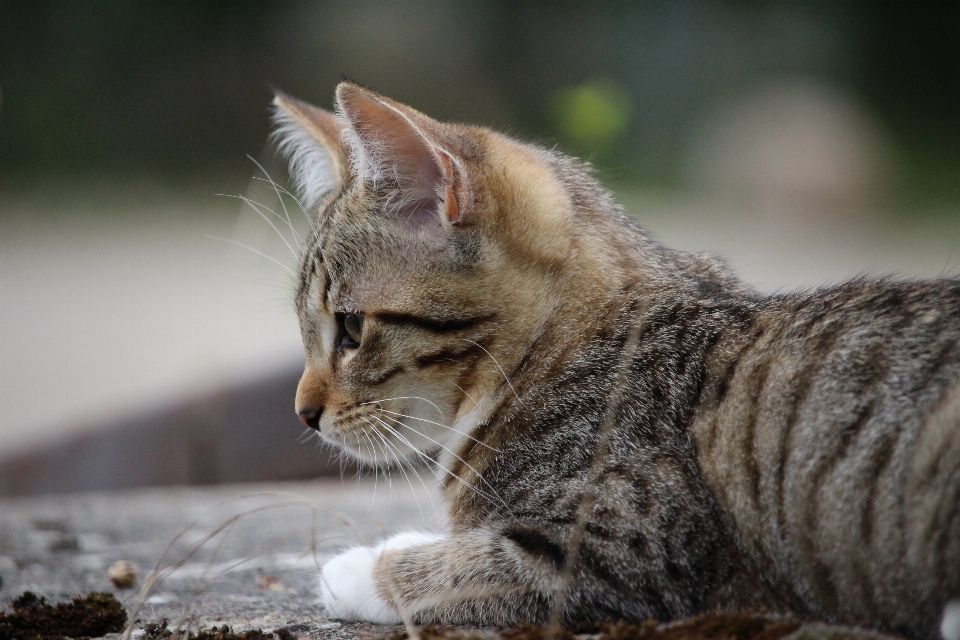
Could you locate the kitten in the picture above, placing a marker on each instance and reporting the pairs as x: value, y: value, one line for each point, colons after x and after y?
x: 623, y: 430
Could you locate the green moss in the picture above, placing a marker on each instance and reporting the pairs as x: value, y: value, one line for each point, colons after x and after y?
x: 32, y: 618
x: 160, y: 631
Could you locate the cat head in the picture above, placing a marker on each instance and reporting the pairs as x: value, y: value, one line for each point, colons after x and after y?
x: 438, y: 252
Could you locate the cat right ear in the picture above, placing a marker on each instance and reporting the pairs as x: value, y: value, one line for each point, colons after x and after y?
x: 309, y: 137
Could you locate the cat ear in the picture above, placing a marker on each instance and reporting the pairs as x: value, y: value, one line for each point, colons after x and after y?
x: 310, y: 138
x: 390, y: 141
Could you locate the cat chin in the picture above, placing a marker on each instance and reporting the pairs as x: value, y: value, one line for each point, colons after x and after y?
x: 347, y: 443
x: 404, y: 457
x: 347, y: 585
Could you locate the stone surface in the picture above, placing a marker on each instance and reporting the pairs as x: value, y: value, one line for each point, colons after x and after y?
x: 242, y: 555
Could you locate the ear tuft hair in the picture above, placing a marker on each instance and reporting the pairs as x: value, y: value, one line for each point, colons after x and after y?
x: 366, y: 157
x: 311, y: 167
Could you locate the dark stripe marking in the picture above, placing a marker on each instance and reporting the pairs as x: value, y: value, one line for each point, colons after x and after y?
x: 448, y: 354
x: 386, y: 375
x: 878, y: 366
x: 946, y: 524
x: 750, y: 430
x: 435, y: 325
x: 880, y: 459
x: 536, y: 543
x: 821, y: 348
x: 822, y: 574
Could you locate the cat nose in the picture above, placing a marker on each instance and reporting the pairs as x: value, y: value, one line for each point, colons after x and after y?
x: 310, y: 417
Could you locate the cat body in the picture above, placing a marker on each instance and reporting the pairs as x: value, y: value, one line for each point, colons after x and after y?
x: 623, y: 430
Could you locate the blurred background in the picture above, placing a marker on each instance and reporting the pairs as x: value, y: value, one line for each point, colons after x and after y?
x: 147, y: 334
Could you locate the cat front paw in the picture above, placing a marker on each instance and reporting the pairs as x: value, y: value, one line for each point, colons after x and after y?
x: 347, y: 583
x: 349, y: 591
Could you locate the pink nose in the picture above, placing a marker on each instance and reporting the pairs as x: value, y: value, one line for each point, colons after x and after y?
x: 310, y: 417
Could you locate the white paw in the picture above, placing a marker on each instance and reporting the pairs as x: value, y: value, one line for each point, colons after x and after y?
x: 950, y: 624
x: 348, y: 589
x: 347, y: 585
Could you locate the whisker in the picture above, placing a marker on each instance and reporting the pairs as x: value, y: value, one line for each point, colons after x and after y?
x: 416, y: 451
x: 256, y: 251
x: 425, y: 488
x: 504, y: 373
x: 376, y: 474
x: 423, y: 435
x: 284, y: 191
x: 466, y: 435
x: 465, y: 463
x: 386, y: 469
x: 306, y: 214
x: 277, y: 191
x: 475, y: 403
x: 447, y: 471
x: 359, y: 466
x: 298, y: 239
x: 403, y: 471
x: 386, y: 453
x: 389, y: 471
x: 256, y: 207
x: 405, y: 398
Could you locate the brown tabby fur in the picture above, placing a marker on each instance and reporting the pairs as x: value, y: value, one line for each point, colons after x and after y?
x: 794, y: 452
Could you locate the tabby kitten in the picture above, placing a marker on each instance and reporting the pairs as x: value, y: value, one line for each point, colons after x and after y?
x: 623, y: 430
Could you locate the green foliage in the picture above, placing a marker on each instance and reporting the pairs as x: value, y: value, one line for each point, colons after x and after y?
x: 592, y: 115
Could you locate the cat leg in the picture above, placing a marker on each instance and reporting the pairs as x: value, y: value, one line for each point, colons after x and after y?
x: 474, y: 576
x: 347, y: 583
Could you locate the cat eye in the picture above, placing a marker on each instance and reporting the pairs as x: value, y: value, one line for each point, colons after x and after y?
x: 351, y: 330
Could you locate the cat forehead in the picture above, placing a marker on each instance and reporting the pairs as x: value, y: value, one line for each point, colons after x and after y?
x: 356, y: 235
x: 351, y: 275
x: 363, y: 272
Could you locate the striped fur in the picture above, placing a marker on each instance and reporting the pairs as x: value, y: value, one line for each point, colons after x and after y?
x: 799, y: 452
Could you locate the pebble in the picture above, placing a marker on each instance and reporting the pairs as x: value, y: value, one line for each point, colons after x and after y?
x: 122, y: 574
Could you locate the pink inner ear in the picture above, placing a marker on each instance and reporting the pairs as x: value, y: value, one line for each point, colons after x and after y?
x: 400, y: 150
x: 451, y: 209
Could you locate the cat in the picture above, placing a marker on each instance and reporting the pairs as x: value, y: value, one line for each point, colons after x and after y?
x: 623, y: 431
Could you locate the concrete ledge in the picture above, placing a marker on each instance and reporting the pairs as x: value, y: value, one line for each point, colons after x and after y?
x: 242, y: 555
x: 248, y: 433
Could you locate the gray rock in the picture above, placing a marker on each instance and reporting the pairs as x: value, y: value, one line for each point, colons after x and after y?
x: 242, y: 555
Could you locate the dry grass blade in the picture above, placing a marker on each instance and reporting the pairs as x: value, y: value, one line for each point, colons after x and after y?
x: 164, y: 568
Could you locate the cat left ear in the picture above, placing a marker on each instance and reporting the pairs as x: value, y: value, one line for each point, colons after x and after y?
x: 310, y: 138
x: 390, y: 141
